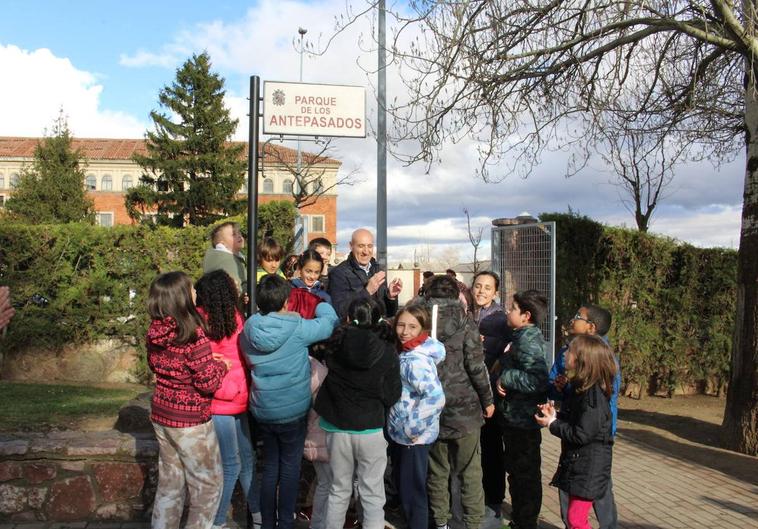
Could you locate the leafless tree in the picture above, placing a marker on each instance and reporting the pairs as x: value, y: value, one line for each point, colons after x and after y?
x: 522, y: 76
x: 309, y: 176
x: 643, y: 171
x: 475, y: 237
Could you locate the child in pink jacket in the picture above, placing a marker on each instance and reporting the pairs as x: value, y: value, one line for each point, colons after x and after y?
x: 217, y: 298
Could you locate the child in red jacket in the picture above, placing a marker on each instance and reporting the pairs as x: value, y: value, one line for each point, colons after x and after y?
x: 186, y: 375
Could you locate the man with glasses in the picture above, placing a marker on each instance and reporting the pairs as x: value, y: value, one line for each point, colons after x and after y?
x: 360, y: 276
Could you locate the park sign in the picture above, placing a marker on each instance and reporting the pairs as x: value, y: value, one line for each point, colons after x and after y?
x: 303, y: 109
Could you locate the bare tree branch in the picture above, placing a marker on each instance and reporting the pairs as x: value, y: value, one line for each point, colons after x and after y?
x: 475, y: 237
x: 310, y: 180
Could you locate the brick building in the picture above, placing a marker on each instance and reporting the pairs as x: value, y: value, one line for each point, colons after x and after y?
x: 110, y: 172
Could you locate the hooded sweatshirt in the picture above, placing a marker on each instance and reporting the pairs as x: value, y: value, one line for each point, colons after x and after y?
x: 276, y: 346
x: 363, y: 380
x: 233, y: 395
x: 415, y: 418
x: 462, y: 373
x: 185, y: 376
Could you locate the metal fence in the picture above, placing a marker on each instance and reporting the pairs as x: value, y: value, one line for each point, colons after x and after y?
x: 523, y: 255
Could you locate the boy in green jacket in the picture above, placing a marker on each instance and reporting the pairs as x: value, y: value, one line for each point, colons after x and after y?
x: 523, y: 385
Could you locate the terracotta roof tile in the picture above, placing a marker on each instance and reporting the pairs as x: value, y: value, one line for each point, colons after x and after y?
x: 123, y: 149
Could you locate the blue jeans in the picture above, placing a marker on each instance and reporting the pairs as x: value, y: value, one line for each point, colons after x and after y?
x: 283, y: 453
x: 238, y: 460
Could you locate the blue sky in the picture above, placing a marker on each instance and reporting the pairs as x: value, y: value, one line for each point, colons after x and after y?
x: 106, y: 62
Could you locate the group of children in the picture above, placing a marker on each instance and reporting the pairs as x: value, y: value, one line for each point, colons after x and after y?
x: 448, y: 393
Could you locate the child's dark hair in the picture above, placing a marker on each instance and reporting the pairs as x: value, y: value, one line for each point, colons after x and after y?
x: 310, y: 255
x: 419, y: 312
x: 171, y: 296
x: 428, y: 274
x: 444, y: 287
x: 217, y: 296
x: 493, y: 275
x: 270, y: 250
x: 594, y: 364
x: 534, y: 302
x: 367, y: 313
x: 600, y: 317
x: 320, y: 241
x: 290, y: 265
x: 273, y: 292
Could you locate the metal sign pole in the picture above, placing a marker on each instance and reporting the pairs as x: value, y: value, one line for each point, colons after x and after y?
x: 381, y: 145
x: 252, y: 191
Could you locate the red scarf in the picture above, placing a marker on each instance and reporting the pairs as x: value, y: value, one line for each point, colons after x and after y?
x: 415, y: 342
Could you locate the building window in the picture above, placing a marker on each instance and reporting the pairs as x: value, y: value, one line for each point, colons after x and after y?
x: 268, y: 186
x: 105, y: 219
x: 317, y: 223
x: 287, y: 186
x: 126, y: 182
x: 2, y: 181
x: 106, y: 184
x: 90, y: 184
x: 14, y: 180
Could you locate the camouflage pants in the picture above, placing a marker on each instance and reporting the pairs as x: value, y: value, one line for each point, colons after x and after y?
x: 188, y: 457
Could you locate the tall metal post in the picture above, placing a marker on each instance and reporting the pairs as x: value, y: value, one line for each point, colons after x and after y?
x: 301, y: 32
x: 252, y: 190
x: 381, y: 144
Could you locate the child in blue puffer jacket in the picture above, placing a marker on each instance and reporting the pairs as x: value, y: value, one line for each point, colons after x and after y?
x: 414, y: 420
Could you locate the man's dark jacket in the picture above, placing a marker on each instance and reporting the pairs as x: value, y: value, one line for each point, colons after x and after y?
x: 347, y: 281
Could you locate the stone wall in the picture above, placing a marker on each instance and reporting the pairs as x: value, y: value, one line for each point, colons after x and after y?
x: 106, y: 360
x: 77, y: 476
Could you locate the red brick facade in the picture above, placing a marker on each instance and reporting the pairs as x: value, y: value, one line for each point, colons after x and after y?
x: 112, y: 159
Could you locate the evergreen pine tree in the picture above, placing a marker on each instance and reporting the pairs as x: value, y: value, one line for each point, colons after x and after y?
x: 191, y: 173
x: 51, y: 189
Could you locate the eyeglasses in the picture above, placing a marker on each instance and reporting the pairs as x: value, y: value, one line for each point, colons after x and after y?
x: 578, y: 316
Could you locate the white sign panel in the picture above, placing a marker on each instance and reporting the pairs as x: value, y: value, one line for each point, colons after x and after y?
x: 301, y: 109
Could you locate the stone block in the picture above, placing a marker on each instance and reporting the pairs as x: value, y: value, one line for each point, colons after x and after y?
x: 27, y: 520
x: 73, y: 466
x: 71, y: 499
x: 119, y: 481
x: 12, y: 499
x: 37, y: 473
x: 14, y: 447
x: 9, y: 470
x: 36, y: 497
x: 94, y: 447
x: 114, y: 511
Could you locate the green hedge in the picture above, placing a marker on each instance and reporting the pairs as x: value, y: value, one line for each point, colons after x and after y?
x: 673, y: 304
x: 88, y: 272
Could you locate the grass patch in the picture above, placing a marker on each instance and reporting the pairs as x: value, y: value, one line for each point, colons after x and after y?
x: 41, y: 407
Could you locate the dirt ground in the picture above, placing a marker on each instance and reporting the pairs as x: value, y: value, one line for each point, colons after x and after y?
x: 686, y: 427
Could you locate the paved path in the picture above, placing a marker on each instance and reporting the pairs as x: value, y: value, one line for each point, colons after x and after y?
x: 654, y: 490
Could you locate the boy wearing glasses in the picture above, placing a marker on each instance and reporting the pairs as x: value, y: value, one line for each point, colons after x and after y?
x: 589, y: 319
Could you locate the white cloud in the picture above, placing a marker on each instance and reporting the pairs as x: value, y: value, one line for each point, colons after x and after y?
x: 37, y: 84
x: 145, y: 58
